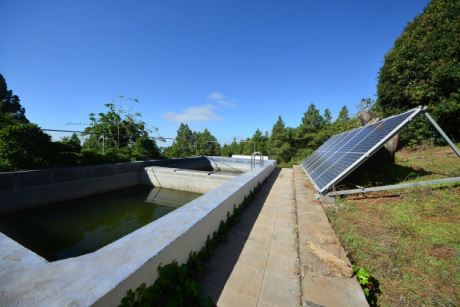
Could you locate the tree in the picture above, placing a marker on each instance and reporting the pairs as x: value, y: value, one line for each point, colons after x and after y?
x: 145, y: 149
x: 206, y: 144
x: 234, y: 148
x: 25, y: 146
x: 118, y: 135
x: 366, y: 104
x: 423, y: 68
x: 72, y: 142
x: 117, y: 127
x: 184, y: 144
x: 327, y: 117
x: 261, y: 141
x: 10, y: 104
x: 344, y: 115
x: 311, y: 120
x: 22, y: 145
x: 279, y: 143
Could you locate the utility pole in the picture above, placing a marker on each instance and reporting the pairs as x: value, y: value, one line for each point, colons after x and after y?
x: 118, y: 133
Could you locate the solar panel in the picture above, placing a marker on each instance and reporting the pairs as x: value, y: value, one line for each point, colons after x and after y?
x: 343, y: 153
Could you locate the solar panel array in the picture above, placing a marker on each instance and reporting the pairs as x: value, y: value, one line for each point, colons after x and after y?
x: 342, y: 153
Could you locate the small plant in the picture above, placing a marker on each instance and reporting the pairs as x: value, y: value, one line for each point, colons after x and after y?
x: 369, y: 284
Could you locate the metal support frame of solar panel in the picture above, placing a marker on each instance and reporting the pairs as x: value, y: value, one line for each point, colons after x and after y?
x: 343, y: 153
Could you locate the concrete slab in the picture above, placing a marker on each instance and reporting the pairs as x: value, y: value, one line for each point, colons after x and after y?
x: 287, y: 255
x: 277, y: 290
x: 268, y: 259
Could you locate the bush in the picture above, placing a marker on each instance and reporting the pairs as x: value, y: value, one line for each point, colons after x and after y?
x: 145, y: 149
x: 25, y: 146
x: 423, y: 69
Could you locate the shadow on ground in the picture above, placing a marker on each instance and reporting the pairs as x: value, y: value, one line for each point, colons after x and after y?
x: 387, y: 173
x: 218, y: 269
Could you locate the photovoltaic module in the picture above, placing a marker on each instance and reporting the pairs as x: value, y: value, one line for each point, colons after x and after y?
x: 343, y: 153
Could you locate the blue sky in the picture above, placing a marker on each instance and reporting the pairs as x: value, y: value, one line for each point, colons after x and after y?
x: 230, y: 66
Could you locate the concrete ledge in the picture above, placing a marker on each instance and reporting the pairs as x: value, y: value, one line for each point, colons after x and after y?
x: 326, y: 273
x: 185, y: 180
x: 41, y: 195
x: 103, y: 277
x: 233, y: 164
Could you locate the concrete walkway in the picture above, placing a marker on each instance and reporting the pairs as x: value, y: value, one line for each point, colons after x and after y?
x: 326, y: 273
x: 259, y: 264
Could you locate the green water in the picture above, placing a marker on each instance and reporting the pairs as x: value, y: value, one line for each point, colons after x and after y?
x: 81, y: 226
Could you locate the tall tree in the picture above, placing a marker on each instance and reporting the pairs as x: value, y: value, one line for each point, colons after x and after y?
x: 344, y: 115
x: 423, y: 68
x: 206, y: 144
x: 234, y: 148
x: 10, y: 104
x: 327, y: 117
x: 184, y: 144
x: 25, y: 146
x: 261, y: 141
x: 120, y: 134
x: 118, y: 127
x: 311, y: 120
x: 279, y: 143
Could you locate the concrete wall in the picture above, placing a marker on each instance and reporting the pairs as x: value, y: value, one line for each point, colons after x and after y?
x: 185, y: 180
x: 27, y: 189
x: 232, y: 164
x: 103, y: 277
x: 248, y: 157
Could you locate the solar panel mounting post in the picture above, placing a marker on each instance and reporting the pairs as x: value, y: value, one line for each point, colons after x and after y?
x: 444, y: 135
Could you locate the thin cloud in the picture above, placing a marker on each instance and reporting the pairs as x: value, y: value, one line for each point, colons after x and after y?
x: 194, y: 113
x: 222, y: 100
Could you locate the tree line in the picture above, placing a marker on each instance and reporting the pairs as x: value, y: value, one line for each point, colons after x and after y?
x: 288, y: 145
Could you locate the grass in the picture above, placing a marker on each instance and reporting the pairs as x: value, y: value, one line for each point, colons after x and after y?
x: 409, y: 240
x: 409, y: 166
x: 436, y: 162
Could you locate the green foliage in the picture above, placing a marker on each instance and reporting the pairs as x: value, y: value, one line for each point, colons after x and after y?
x: 25, y: 146
x: 10, y: 103
x: 118, y: 127
x: 206, y: 144
x: 67, y: 150
x: 183, y: 145
x: 188, y: 143
x: 176, y: 284
x: 292, y: 145
x: 312, y: 120
x: 344, y: 115
x: 327, y: 117
x: 145, y: 148
x: 369, y: 284
x: 423, y: 68
x: 280, y: 142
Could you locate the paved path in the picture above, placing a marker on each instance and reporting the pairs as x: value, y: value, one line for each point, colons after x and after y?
x: 259, y: 264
